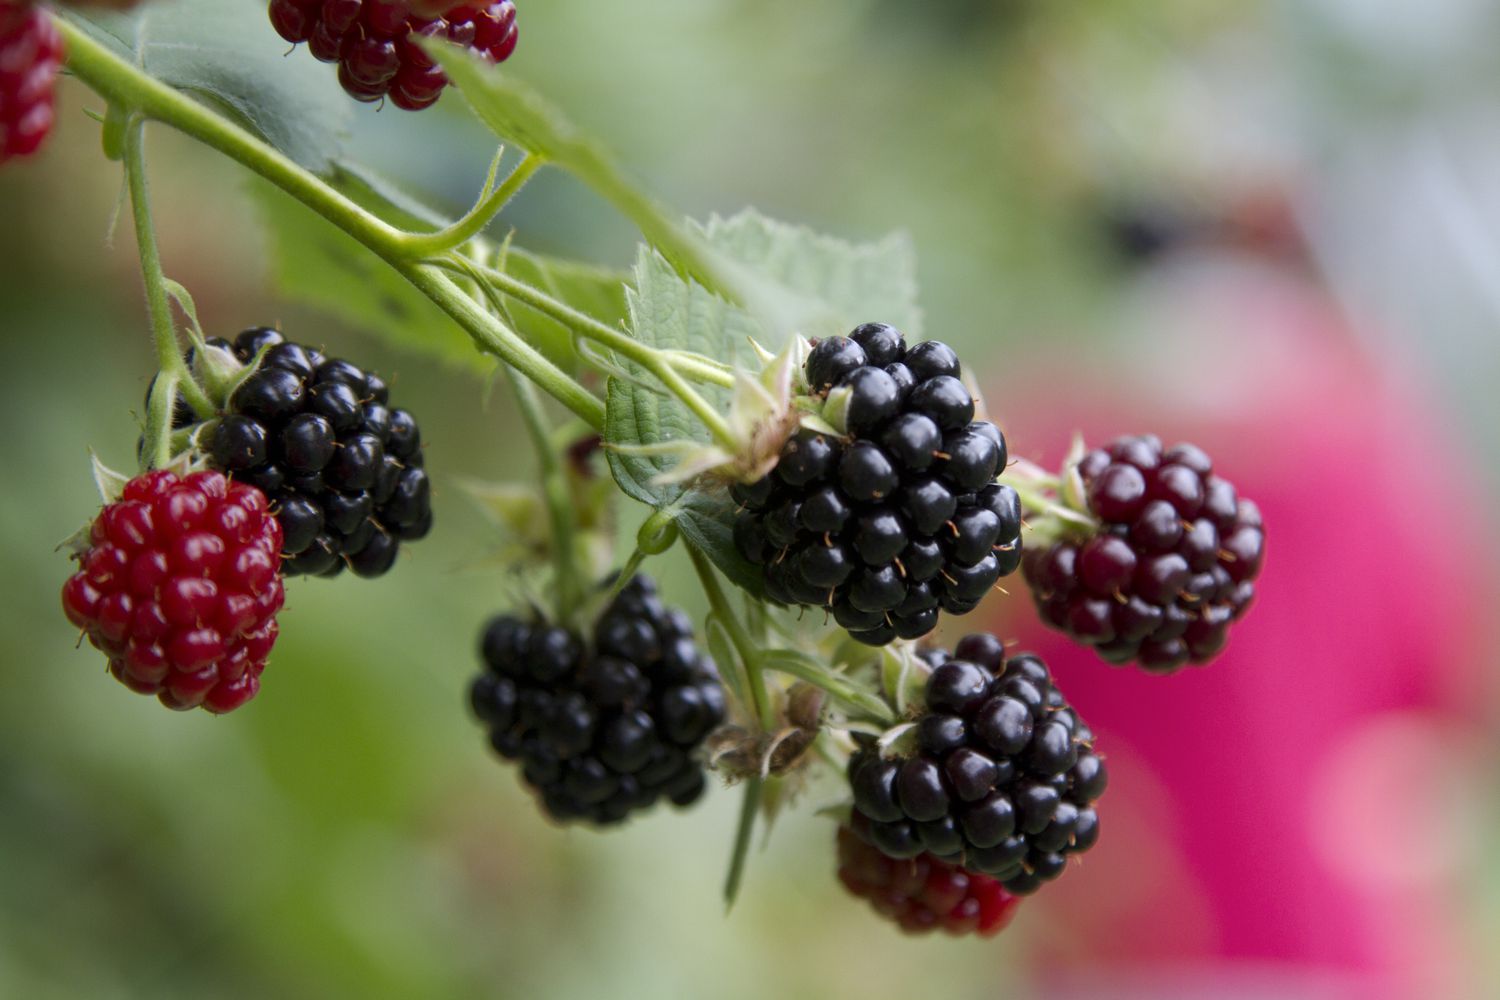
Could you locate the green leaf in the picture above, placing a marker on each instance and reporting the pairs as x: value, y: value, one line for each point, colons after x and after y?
x: 225, y: 52
x: 667, y: 312
x: 834, y: 285
x: 316, y: 263
x: 796, y: 268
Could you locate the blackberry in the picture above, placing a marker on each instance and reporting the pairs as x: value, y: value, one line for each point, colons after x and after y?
x: 31, y: 53
x: 179, y: 586
x: 601, y: 728
x: 1173, y: 564
x: 374, y: 41
x: 901, y: 518
x: 342, y: 470
x: 1003, y: 777
x: 924, y: 893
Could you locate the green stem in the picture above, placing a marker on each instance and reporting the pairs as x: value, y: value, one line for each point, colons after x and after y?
x: 749, y: 807
x: 420, y: 245
x: 555, y: 489
x: 663, y: 366
x: 589, y: 328
x: 496, y: 338
x: 173, y: 376
x: 157, y: 436
x: 837, y: 686
x: 126, y: 86
x: 749, y: 653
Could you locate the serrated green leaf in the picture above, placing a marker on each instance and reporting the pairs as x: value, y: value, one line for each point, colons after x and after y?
x: 668, y: 312
x: 224, y: 52
x: 316, y: 263
x: 834, y: 284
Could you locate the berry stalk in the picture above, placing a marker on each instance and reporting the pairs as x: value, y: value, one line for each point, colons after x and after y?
x: 749, y: 655
x: 491, y: 201
x: 128, y: 87
x: 565, y: 582
x: 176, y: 377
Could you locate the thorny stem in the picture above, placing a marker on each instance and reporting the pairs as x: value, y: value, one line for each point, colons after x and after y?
x: 174, y: 375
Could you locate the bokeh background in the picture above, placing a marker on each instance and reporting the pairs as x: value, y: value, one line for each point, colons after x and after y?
x: 1273, y: 228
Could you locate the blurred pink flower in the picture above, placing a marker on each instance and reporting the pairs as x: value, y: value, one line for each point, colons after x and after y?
x: 1282, y: 817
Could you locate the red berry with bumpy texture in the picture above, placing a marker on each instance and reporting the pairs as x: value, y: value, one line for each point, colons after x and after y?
x: 179, y: 586
x: 375, y: 44
x: 1172, y: 567
x: 31, y: 53
x: 899, y: 519
x: 925, y: 893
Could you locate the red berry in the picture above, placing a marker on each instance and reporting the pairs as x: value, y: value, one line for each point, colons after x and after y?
x: 924, y: 894
x: 180, y: 587
x: 31, y: 52
x: 372, y: 41
x: 1173, y: 564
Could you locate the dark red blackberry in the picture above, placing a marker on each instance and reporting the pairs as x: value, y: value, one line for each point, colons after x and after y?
x: 925, y: 893
x: 1173, y: 565
x: 179, y: 586
x: 900, y: 518
x: 31, y: 53
x: 602, y: 728
x: 343, y: 471
x: 373, y: 41
x: 1003, y: 776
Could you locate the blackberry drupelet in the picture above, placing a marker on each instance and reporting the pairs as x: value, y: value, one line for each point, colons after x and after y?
x: 342, y: 469
x: 374, y: 41
x: 901, y: 518
x: 1172, y: 567
x: 924, y: 893
x: 179, y: 587
x: 1004, y: 776
x: 601, y: 728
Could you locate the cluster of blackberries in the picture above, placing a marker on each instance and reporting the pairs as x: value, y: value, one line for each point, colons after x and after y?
x: 607, y: 728
x: 1173, y: 565
x: 374, y: 42
x: 343, y: 470
x: 31, y: 53
x: 924, y: 893
x: 179, y: 586
x: 1004, y: 776
x: 901, y: 517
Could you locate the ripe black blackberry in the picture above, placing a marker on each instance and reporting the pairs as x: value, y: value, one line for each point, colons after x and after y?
x: 605, y: 728
x: 1004, y: 777
x: 343, y: 470
x: 902, y: 517
x: 1173, y: 566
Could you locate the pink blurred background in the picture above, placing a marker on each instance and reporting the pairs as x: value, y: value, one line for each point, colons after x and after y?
x: 1298, y: 818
